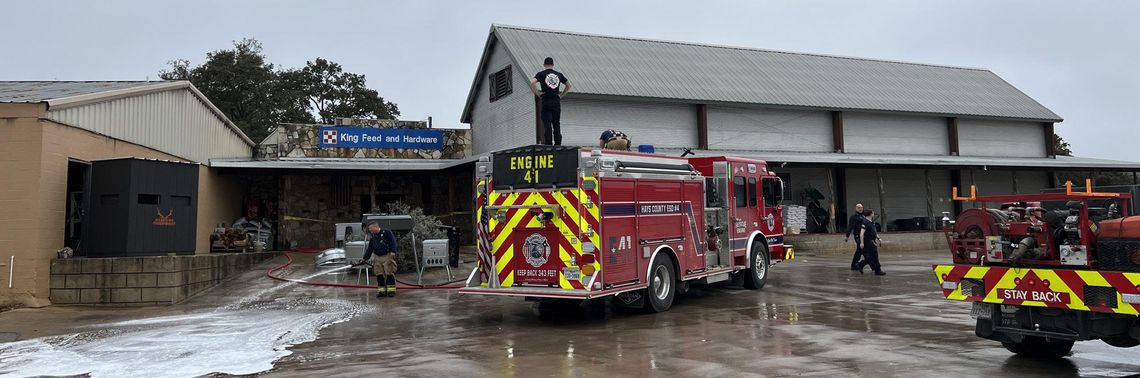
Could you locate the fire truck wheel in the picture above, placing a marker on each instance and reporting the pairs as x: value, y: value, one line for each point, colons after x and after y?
x: 662, y: 285
x: 1039, y: 347
x: 757, y: 274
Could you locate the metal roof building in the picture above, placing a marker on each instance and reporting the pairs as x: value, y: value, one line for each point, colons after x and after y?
x: 51, y: 135
x: 632, y: 67
x: 169, y: 116
x: 894, y: 135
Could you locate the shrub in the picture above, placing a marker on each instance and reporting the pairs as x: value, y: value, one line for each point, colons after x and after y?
x: 424, y: 226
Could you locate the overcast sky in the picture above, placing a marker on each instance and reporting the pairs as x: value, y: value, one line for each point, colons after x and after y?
x: 1077, y: 58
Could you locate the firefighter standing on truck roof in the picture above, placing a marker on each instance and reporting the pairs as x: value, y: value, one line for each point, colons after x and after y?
x: 548, y: 82
x: 382, y: 243
x: 614, y: 140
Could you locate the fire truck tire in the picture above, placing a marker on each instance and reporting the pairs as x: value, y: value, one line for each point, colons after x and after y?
x: 1039, y: 347
x: 662, y: 285
x: 757, y: 274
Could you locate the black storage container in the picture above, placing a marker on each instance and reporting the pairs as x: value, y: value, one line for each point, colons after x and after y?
x: 922, y: 223
x: 142, y: 207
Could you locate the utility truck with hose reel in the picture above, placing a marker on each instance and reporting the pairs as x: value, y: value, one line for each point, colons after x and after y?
x: 1046, y: 270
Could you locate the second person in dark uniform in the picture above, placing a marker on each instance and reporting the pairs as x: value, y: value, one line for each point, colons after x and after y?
x: 870, y: 242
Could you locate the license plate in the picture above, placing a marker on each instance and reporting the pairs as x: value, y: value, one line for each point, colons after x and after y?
x: 572, y: 273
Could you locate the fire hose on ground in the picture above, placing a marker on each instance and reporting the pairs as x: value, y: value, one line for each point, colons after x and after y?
x: 272, y: 273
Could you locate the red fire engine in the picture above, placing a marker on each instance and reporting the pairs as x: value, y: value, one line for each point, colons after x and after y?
x: 579, y: 223
x: 1045, y: 270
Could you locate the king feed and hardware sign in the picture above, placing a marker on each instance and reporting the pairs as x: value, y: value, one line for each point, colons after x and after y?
x: 371, y: 137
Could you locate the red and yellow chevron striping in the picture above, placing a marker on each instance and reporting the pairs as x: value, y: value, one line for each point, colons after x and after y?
x: 1085, y: 290
x: 576, y: 223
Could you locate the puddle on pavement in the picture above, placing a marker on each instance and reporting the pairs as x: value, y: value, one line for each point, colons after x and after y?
x: 245, y: 337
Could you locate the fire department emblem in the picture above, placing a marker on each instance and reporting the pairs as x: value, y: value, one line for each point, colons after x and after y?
x: 537, y: 250
x: 771, y: 222
x: 328, y: 136
x: 552, y: 81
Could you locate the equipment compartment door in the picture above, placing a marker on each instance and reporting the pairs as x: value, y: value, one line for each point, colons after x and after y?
x: 618, y: 252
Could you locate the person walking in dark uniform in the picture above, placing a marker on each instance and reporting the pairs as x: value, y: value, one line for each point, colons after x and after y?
x: 548, y: 82
x: 854, y: 225
x: 382, y: 244
x: 869, y: 238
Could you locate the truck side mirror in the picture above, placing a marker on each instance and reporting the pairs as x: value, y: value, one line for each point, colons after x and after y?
x: 779, y: 190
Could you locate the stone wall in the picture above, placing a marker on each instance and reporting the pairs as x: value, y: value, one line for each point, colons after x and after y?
x: 133, y: 281
x: 892, y: 242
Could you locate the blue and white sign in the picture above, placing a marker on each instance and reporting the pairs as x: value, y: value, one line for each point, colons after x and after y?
x: 371, y: 137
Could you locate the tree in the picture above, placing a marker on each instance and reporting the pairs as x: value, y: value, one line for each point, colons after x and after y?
x: 242, y: 85
x: 257, y: 96
x: 330, y: 92
x: 1061, y: 147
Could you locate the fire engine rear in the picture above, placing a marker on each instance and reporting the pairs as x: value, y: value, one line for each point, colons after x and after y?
x: 579, y: 223
x: 1045, y: 270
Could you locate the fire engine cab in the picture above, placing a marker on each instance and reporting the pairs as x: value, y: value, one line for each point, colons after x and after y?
x: 576, y: 223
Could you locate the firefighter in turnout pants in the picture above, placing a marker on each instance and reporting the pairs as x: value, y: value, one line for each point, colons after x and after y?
x: 614, y: 140
x: 382, y: 244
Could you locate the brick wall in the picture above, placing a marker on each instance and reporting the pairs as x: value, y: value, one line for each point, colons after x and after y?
x: 34, y: 155
x: 130, y: 281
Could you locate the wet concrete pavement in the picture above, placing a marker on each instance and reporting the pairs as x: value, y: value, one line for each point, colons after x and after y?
x: 815, y: 317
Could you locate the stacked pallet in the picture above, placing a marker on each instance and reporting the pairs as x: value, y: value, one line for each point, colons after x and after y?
x: 795, y: 219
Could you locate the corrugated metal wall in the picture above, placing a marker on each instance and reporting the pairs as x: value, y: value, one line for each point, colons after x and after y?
x: 1032, y: 181
x: 175, y: 122
x: 991, y: 182
x: 769, y: 129
x: 658, y: 124
x: 905, y: 191
x: 979, y: 137
x: 862, y: 187
x: 894, y: 134
x: 509, y: 121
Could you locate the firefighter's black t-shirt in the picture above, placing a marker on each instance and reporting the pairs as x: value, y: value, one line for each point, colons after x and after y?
x: 550, y: 80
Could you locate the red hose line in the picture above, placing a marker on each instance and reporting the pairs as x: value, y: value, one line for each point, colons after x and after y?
x: 271, y: 273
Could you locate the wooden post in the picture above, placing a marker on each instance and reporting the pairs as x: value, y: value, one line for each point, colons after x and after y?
x: 882, y: 199
x: 841, y: 196
x: 929, y: 200
x: 539, y: 135
x: 837, y: 132
x: 372, y: 192
x: 702, y: 126
x: 956, y: 182
x: 1015, y: 182
x: 831, y: 193
x: 1050, y: 140
x: 952, y: 135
